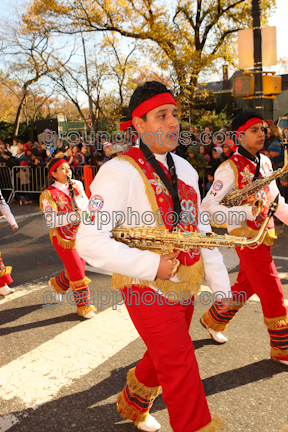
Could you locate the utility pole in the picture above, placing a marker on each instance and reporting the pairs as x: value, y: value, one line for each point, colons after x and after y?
x: 88, y: 87
x: 256, y: 15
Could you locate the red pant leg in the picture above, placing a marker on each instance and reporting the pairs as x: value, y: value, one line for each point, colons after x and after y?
x: 242, y: 290
x: 262, y: 274
x: 75, y: 267
x: 145, y: 370
x: 5, y: 277
x: 164, y: 330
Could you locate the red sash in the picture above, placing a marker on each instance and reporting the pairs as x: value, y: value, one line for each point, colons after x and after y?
x: 246, y: 171
x: 188, y: 201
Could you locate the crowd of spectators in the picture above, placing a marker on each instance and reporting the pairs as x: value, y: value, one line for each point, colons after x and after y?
x: 205, y: 152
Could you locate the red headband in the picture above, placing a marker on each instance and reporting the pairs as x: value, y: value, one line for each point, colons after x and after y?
x: 249, y: 124
x: 55, y: 166
x: 148, y: 105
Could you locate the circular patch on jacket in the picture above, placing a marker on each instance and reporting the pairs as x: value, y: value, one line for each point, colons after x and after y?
x: 217, y: 185
x: 96, y: 203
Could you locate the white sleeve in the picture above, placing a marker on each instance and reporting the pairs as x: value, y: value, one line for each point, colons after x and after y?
x: 94, y: 241
x: 282, y: 210
x: 224, y: 182
x: 6, y: 212
x: 215, y: 272
x: 83, y: 200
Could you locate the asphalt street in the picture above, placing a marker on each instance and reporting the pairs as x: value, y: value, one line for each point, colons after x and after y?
x: 63, y: 373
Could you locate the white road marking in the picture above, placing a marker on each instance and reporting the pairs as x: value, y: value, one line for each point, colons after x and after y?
x: 24, y: 289
x: 22, y: 217
x: 7, y: 421
x: 280, y: 258
x: 65, y: 358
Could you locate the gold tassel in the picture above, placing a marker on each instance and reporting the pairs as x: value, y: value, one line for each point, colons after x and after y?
x: 277, y: 352
x: 46, y: 195
x: 5, y: 271
x: 148, y: 393
x: 216, y: 425
x: 219, y: 326
x: 66, y: 244
x: 276, y: 323
x: 129, y: 413
x: 55, y: 286
x: 77, y: 285
x: 191, y: 278
x: 139, y: 388
x: 210, y: 323
x: 85, y: 310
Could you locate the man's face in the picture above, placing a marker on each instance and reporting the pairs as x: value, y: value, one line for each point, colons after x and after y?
x: 61, y: 173
x: 254, y: 140
x: 160, y: 131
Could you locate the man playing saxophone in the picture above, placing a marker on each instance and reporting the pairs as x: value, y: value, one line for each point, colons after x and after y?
x: 152, y: 186
x: 257, y: 272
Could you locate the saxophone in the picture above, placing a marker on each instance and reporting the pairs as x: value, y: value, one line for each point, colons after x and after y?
x: 72, y: 194
x: 238, y: 197
x: 161, y: 240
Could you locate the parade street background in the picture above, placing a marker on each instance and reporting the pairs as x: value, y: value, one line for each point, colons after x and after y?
x: 63, y: 373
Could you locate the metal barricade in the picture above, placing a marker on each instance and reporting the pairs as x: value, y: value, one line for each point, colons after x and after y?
x: 6, y: 182
x: 27, y: 183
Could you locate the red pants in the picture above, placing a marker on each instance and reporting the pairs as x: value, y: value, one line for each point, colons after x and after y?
x: 5, y: 277
x: 73, y: 277
x: 168, y: 362
x: 258, y: 275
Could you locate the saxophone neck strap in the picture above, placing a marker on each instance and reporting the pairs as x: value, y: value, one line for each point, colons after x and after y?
x: 172, y: 188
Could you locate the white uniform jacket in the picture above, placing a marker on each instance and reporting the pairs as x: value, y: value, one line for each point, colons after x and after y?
x: 224, y: 182
x: 118, y: 187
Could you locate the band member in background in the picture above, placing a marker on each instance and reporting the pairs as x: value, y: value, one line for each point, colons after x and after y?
x: 142, y: 180
x: 5, y: 278
x: 57, y: 206
x: 257, y: 272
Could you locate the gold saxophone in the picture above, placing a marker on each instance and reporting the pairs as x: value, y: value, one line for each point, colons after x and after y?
x: 238, y: 197
x: 163, y: 241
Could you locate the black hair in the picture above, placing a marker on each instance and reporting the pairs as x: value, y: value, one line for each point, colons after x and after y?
x: 144, y: 92
x: 242, y: 118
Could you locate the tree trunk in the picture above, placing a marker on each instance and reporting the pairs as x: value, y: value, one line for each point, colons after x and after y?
x: 18, y: 115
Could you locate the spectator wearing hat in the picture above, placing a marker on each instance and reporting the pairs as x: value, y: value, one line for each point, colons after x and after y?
x: 229, y: 148
x: 10, y: 160
x: 216, y: 159
x: 117, y: 149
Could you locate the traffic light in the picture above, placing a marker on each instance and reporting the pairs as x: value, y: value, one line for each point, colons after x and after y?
x: 243, y: 85
x: 271, y: 84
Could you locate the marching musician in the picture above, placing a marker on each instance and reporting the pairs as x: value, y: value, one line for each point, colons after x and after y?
x: 63, y: 222
x: 150, y: 183
x: 5, y: 278
x: 257, y: 274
